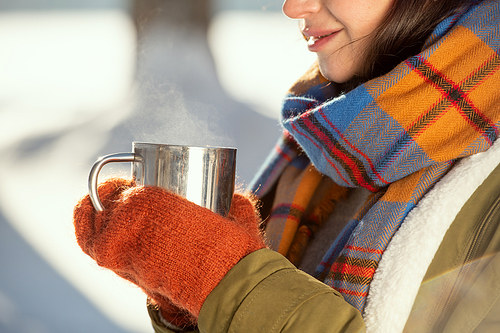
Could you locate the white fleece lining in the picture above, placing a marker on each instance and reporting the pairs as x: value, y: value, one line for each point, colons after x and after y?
x: 405, y: 261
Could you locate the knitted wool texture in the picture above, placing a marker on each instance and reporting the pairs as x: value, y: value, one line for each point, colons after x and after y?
x: 173, y: 249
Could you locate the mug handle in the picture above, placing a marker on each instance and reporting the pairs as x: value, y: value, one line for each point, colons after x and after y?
x: 96, y: 168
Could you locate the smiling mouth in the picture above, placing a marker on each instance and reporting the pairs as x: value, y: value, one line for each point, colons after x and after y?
x: 313, y: 39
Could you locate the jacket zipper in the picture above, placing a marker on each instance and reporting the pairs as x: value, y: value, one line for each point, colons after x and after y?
x: 476, y: 241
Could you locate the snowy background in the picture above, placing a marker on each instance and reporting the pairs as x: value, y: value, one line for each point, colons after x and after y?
x: 80, y: 79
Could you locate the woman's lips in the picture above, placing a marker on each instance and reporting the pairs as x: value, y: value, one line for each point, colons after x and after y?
x: 316, y: 43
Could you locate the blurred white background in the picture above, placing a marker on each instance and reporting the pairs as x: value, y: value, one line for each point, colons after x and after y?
x: 80, y: 79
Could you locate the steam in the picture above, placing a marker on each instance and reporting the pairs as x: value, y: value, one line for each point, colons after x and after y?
x: 164, y: 115
x: 177, y: 91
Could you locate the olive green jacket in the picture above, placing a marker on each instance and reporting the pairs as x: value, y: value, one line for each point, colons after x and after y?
x: 459, y: 290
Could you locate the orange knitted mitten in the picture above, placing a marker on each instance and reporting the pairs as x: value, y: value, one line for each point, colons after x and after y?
x: 175, y: 250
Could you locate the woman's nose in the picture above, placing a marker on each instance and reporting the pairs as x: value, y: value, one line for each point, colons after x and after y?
x: 297, y: 9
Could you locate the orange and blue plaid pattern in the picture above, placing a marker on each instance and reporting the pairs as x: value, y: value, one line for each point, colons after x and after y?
x: 396, y: 135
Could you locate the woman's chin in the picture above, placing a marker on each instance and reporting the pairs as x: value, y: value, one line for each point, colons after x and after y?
x: 338, y: 72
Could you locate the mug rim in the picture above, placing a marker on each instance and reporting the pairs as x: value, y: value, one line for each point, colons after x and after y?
x: 138, y: 143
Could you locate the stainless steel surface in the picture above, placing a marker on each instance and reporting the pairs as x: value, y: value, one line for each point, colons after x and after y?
x: 203, y: 175
x: 94, y: 175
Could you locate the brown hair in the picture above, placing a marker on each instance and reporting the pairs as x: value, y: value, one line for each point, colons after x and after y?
x: 402, y: 34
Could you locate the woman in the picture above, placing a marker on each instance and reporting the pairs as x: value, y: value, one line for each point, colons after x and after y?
x: 382, y: 191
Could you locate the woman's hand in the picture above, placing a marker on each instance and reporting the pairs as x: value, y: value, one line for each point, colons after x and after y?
x: 170, y: 247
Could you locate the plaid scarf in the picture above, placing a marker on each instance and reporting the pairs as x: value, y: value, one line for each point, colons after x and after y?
x: 396, y: 135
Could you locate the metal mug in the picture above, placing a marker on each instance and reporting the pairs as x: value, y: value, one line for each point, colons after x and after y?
x: 203, y: 175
